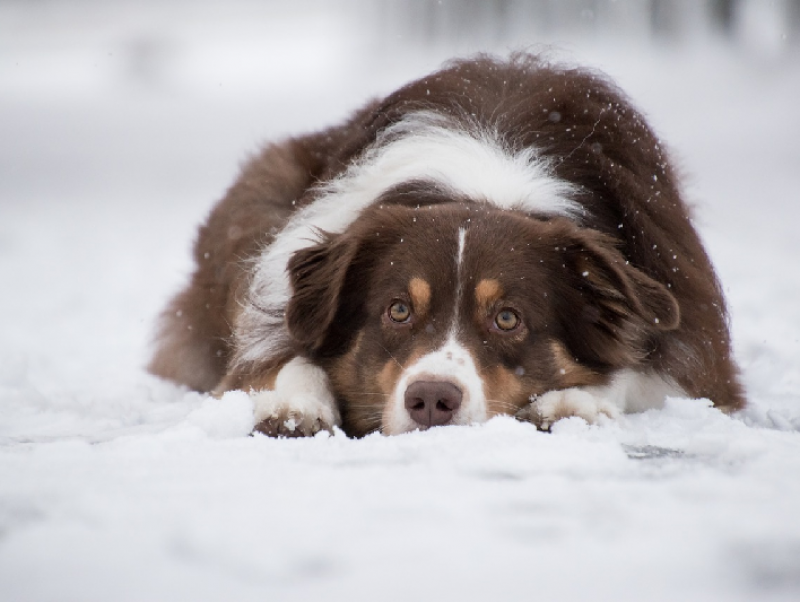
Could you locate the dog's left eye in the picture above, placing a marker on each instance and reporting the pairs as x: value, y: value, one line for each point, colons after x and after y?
x: 506, y: 320
x: 399, y: 312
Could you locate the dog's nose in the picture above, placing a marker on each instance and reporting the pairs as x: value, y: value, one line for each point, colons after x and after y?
x: 431, y: 403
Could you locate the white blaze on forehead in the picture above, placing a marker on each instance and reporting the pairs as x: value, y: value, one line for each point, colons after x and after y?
x: 462, y: 236
x: 451, y: 363
x: 469, y: 160
x: 462, y: 241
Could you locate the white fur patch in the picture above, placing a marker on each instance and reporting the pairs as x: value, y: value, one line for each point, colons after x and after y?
x: 302, y: 396
x: 462, y: 235
x: 474, y: 162
x: 628, y: 391
x: 462, y: 243
x: 452, y: 363
x: 564, y: 403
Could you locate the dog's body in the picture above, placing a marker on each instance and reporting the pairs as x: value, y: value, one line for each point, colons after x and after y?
x: 496, y: 238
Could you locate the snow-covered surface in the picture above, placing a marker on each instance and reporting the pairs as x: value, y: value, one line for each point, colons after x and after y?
x: 116, y: 135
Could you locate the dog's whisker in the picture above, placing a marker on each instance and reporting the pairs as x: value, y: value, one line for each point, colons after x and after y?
x: 389, y: 353
x: 504, y: 406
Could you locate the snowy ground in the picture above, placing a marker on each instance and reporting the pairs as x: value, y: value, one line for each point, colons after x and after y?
x: 115, y: 486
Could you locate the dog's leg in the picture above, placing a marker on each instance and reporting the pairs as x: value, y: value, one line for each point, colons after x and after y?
x: 300, y: 404
x: 546, y: 409
x: 627, y: 391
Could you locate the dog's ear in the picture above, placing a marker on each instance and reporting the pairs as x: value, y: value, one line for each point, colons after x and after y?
x: 615, y: 310
x: 325, y: 299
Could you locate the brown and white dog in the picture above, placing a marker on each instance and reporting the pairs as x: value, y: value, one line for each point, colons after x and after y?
x: 500, y: 237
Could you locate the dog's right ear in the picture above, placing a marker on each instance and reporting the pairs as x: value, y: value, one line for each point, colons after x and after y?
x: 326, y: 299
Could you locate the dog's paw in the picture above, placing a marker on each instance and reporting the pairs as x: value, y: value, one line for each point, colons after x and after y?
x: 292, y: 418
x: 300, y: 406
x: 546, y: 409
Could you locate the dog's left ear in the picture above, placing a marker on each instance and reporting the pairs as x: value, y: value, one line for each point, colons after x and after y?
x: 325, y: 299
x: 623, y: 308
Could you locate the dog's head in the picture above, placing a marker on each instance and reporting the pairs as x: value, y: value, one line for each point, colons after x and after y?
x: 451, y: 313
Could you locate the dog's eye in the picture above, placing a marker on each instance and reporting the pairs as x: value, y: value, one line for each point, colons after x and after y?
x: 506, y: 320
x: 399, y: 312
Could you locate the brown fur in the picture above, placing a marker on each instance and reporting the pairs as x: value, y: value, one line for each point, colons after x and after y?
x: 570, y: 371
x: 505, y: 391
x: 195, y: 330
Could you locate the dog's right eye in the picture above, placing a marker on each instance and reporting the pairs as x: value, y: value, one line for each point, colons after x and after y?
x: 399, y: 312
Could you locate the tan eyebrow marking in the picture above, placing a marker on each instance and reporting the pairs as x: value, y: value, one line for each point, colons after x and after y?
x: 487, y: 292
x: 420, y: 292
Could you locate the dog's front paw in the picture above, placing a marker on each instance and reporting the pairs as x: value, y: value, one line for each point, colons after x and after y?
x: 291, y: 418
x: 301, y: 404
x: 546, y: 409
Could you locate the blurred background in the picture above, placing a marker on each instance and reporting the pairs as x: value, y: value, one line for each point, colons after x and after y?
x: 112, y: 97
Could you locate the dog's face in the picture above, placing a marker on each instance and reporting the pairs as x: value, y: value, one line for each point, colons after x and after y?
x: 452, y: 313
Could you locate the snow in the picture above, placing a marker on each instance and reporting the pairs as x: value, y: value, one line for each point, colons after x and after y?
x: 115, y: 485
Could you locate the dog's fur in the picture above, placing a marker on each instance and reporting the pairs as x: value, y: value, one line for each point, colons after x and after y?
x: 500, y: 237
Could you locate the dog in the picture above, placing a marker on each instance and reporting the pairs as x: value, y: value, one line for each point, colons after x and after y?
x: 503, y: 236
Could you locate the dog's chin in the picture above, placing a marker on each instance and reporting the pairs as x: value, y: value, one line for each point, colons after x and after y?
x: 399, y: 423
